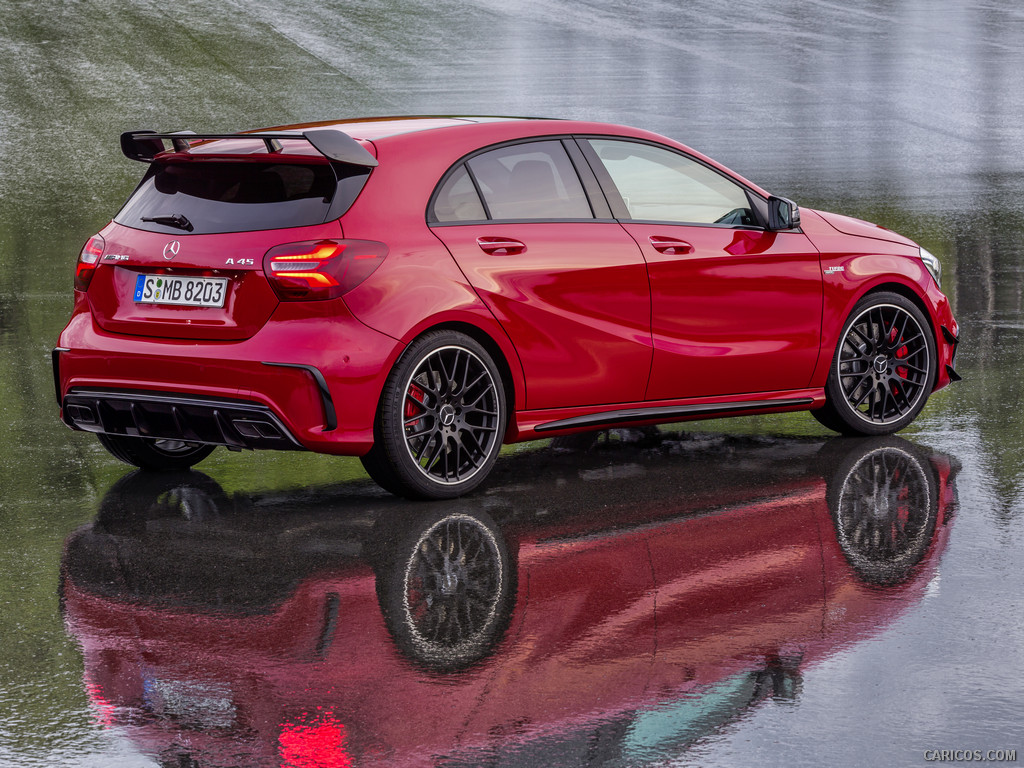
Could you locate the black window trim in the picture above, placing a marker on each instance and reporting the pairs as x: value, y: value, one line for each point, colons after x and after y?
x: 502, y: 222
x: 591, y: 186
x: 590, y: 190
x: 476, y: 187
x: 618, y: 205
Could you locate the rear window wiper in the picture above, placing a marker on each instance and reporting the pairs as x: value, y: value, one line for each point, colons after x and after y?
x: 171, y: 220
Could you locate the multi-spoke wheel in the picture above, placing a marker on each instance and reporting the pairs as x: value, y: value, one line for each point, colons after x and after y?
x: 163, y: 455
x: 441, y: 419
x: 883, y: 369
x: 447, y: 589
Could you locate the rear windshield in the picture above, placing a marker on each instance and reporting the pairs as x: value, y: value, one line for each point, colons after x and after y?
x: 216, y: 196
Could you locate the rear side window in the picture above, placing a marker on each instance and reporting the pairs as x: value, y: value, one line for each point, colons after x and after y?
x: 457, y: 199
x: 218, y: 196
x: 522, y: 182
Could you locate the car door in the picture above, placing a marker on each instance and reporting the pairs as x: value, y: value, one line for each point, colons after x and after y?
x: 569, y: 287
x: 735, y: 308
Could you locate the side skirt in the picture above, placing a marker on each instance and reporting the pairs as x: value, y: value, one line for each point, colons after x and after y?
x: 536, y: 424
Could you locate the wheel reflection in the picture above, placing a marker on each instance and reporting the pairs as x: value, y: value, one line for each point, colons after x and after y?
x: 446, y: 588
x: 885, y: 511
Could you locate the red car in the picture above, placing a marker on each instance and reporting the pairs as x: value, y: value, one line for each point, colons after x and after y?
x: 417, y: 291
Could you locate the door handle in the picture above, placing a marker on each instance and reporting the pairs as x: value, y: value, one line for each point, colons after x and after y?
x: 501, y: 246
x: 670, y: 246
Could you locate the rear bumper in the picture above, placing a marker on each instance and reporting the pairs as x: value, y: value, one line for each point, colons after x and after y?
x: 301, y: 382
x: 213, y: 421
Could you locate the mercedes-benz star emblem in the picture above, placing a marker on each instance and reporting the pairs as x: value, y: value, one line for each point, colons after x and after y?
x: 447, y: 415
x: 171, y: 249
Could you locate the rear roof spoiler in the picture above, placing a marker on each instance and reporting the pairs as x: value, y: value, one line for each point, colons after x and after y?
x: 331, y: 143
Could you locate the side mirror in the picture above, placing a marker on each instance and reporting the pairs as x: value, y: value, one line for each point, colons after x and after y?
x: 782, y: 214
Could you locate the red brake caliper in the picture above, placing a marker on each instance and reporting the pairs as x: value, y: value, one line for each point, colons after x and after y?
x: 413, y: 405
x: 901, y: 353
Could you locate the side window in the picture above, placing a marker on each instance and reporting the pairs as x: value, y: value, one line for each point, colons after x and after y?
x: 530, y: 181
x: 457, y: 199
x: 660, y: 185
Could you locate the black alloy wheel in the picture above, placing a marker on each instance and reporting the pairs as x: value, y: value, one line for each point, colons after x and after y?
x: 441, y: 419
x: 883, y: 369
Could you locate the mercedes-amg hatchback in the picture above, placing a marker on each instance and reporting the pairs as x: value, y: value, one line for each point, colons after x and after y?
x: 417, y: 291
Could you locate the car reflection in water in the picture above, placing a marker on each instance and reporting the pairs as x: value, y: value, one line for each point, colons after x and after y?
x: 637, y: 592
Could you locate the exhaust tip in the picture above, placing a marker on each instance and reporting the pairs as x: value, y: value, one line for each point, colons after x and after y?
x: 82, y: 415
x: 257, y: 429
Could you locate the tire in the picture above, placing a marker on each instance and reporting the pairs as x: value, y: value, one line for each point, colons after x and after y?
x: 440, y: 421
x: 155, y: 455
x: 883, y: 369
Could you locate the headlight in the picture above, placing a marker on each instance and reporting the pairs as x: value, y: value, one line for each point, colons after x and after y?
x: 933, y: 265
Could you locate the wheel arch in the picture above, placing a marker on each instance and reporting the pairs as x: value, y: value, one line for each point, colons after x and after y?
x: 839, y: 413
x: 390, y: 461
x: 839, y: 306
x: 904, y: 291
x: 509, y: 368
x: 508, y: 381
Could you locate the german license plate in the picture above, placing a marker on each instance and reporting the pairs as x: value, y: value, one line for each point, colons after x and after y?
x: 187, y: 291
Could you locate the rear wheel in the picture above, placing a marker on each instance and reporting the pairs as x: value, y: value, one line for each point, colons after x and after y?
x: 883, y: 369
x: 160, y: 455
x: 441, y: 419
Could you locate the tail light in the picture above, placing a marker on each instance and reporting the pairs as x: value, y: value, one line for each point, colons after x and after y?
x: 321, y: 269
x: 87, y: 261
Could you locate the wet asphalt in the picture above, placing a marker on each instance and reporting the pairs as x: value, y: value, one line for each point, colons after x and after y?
x: 729, y: 593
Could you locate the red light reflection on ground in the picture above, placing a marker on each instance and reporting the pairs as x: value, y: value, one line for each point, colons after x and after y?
x: 317, y: 745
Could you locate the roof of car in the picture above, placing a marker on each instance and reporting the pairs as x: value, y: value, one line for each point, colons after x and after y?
x: 361, y: 129
x: 380, y: 127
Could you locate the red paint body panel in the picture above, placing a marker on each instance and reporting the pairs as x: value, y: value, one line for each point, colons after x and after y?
x: 740, y: 313
x: 351, y: 356
x: 867, y: 265
x: 576, y: 305
x: 860, y: 228
x: 419, y: 286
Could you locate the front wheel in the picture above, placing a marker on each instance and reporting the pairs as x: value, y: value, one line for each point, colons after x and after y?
x: 441, y: 419
x: 160, y: 455
x: 883, y: 369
